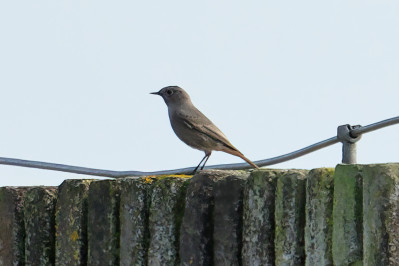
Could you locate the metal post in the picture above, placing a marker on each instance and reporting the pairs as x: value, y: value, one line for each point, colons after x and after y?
x: 348, y: 143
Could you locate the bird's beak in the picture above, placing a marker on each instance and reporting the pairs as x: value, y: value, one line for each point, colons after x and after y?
x: 156, y: 93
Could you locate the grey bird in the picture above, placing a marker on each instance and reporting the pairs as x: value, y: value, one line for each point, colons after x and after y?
x: 193, y: 127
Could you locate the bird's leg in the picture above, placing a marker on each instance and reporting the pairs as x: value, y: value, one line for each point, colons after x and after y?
x: 207, y: 155
x: 196, y: 168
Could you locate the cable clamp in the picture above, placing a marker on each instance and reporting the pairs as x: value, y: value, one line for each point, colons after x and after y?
x: 344, y: 133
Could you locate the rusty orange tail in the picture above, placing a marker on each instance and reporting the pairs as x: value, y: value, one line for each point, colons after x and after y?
x: 239, y: 154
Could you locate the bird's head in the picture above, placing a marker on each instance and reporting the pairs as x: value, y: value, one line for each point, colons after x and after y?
x: 173, y: 95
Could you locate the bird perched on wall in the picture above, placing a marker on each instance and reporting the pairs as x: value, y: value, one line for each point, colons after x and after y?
x: 193, y: 127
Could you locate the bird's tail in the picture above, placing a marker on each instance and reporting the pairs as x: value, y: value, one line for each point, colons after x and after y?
x: 239, y: 154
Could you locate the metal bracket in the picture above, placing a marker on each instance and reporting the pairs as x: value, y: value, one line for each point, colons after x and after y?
x: 348, y: 143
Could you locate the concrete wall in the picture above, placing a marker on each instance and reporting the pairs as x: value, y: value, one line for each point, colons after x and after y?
x: 346, y: 216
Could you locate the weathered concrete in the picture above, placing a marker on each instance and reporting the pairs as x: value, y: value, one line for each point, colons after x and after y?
x: 103, y: 222
x: 290, y: 217
x: 196, y: 235
x: 258, y: 218
x: 216, y: 218
x: 39, y: 219
x: 381, y: 214
x: 319, y: 223
x: 134, y: 213
x: 12, y: 231
x: 227, y: 219
x: 166, y: 214
x: 347, y: 241
x: 71, y: 222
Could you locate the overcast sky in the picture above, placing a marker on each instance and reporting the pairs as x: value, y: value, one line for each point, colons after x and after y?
x: 274, y: 76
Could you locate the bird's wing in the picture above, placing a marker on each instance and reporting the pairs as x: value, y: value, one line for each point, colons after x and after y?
x: 199, y: 122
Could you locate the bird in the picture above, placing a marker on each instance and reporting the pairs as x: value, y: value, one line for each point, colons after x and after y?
x: 193, y: 128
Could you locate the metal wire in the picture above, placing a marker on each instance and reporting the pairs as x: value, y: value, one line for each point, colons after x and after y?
x: 119, y: 174
x: 384, y: 123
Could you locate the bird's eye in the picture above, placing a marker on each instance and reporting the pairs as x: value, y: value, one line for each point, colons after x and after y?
x: 169, y: 92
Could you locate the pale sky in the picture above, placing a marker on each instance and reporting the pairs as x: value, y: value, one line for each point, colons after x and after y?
x: 274, y: 76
